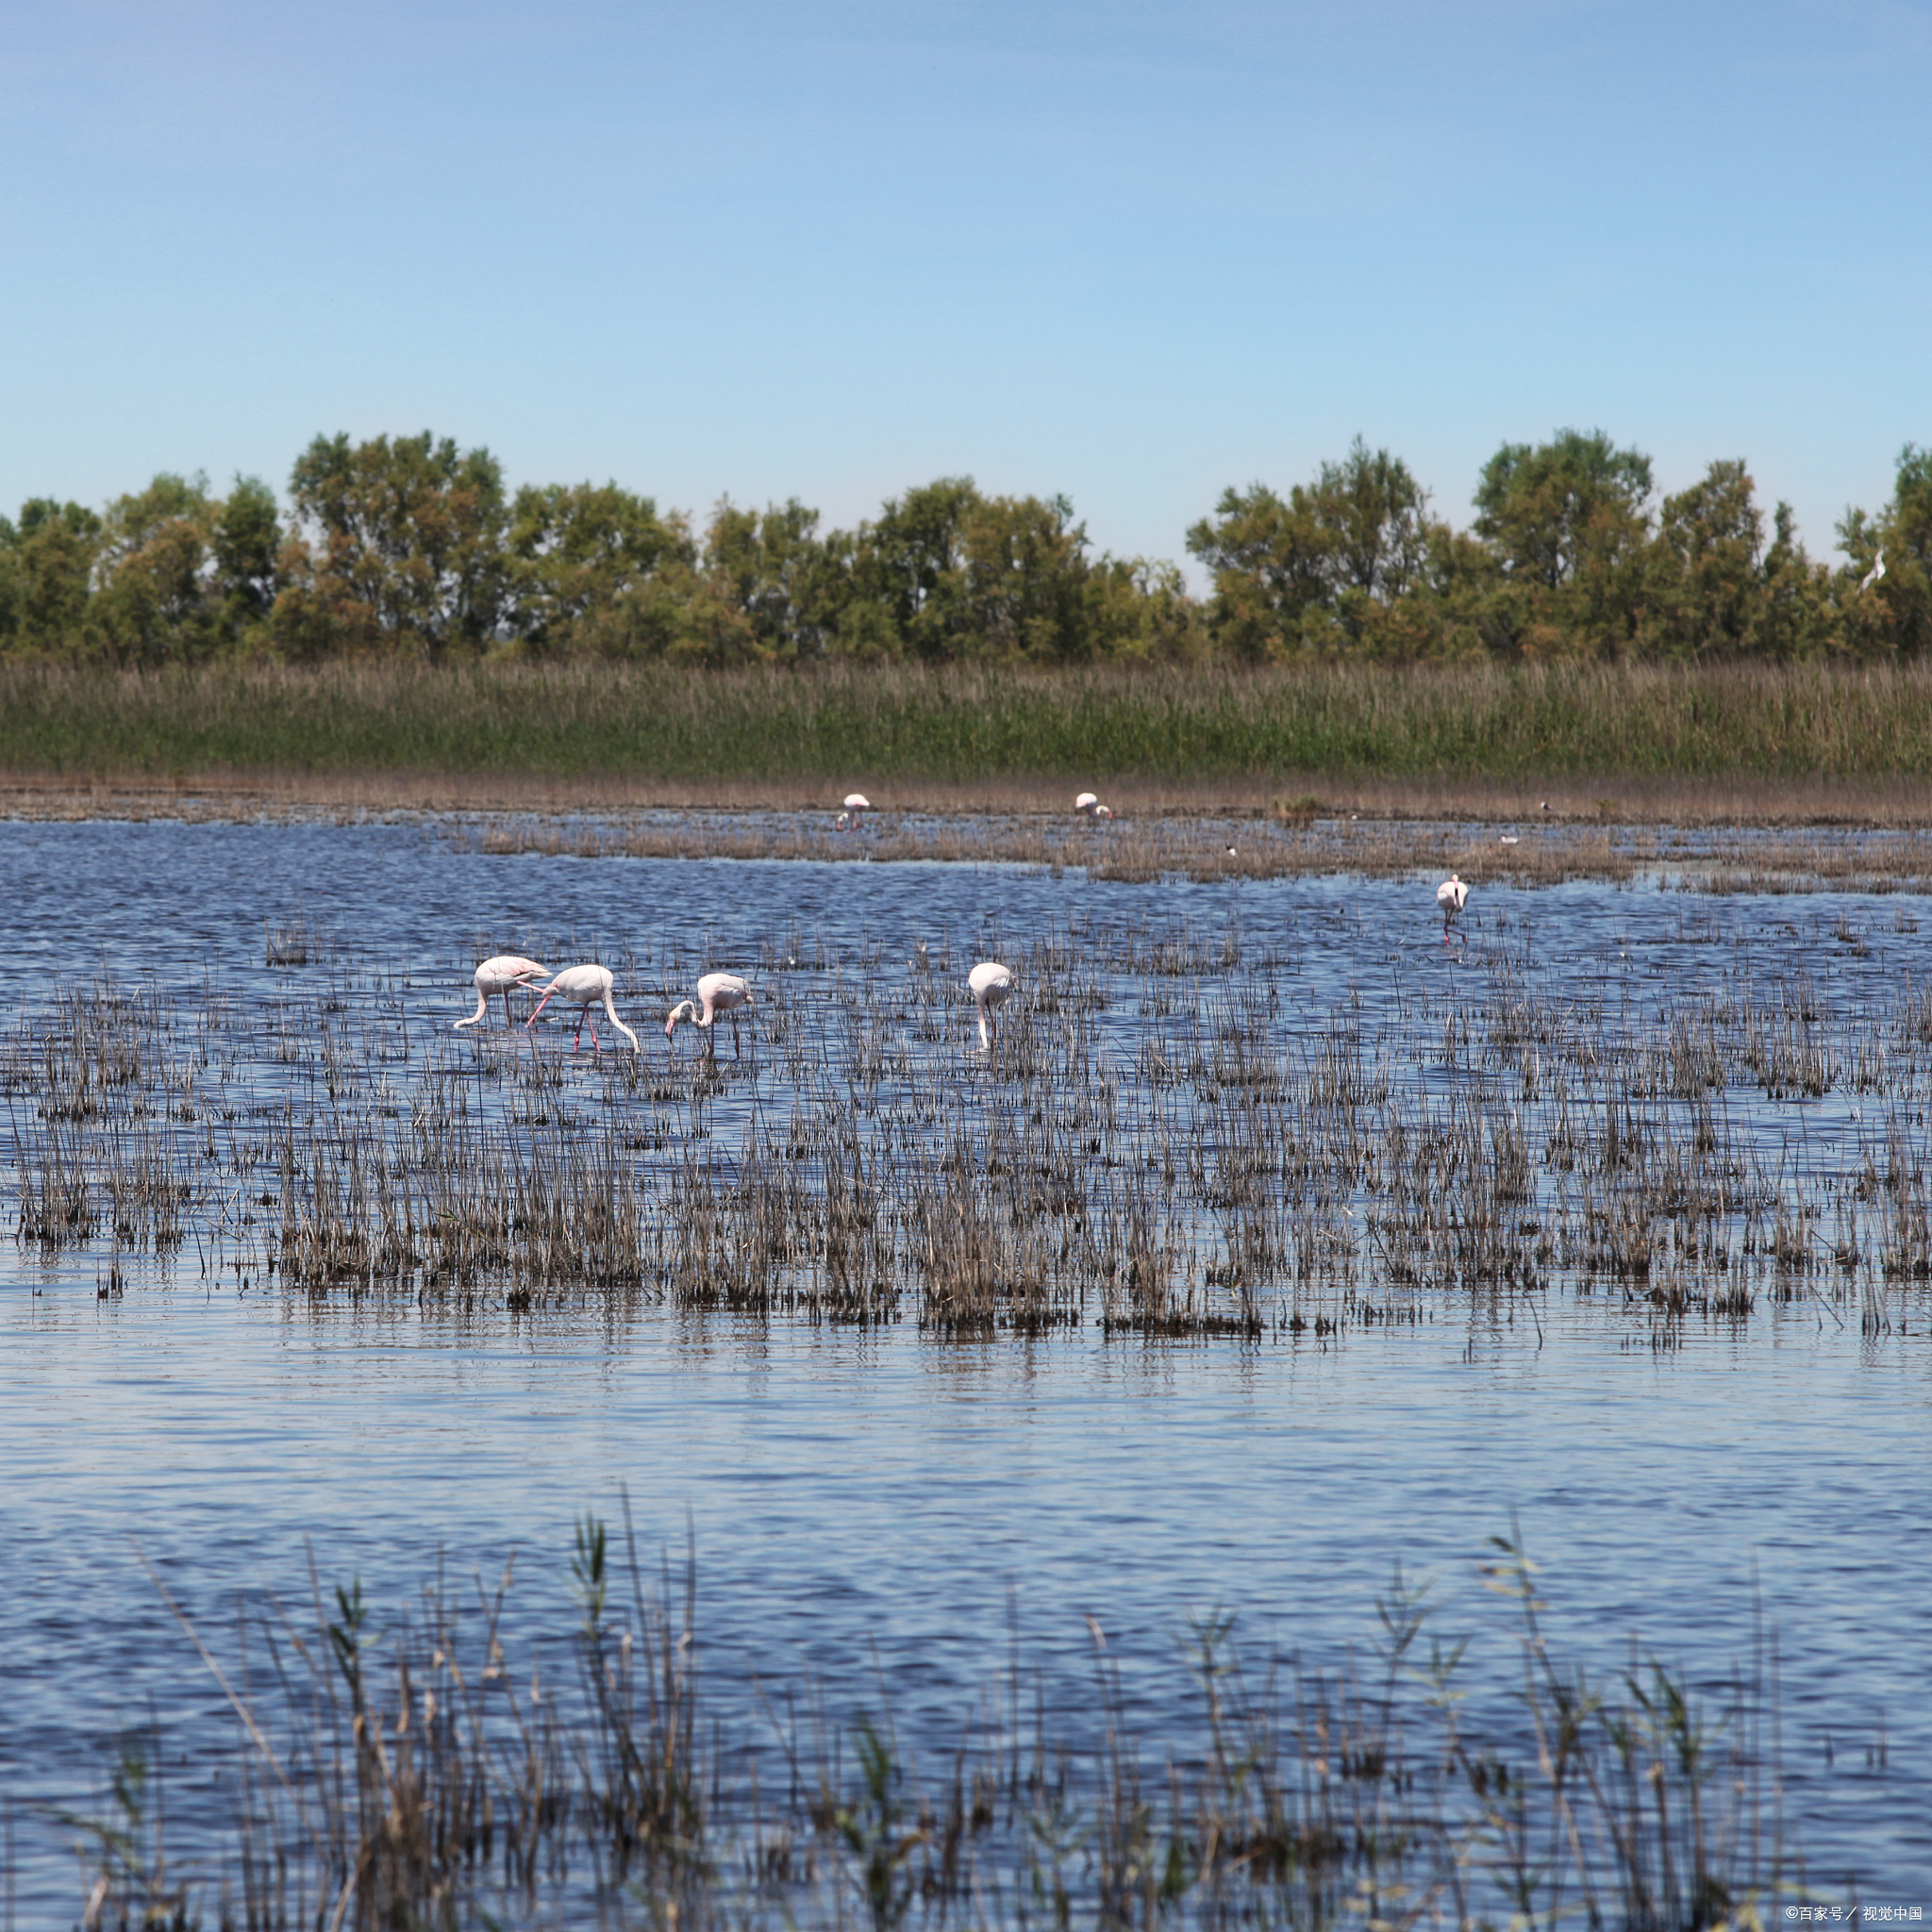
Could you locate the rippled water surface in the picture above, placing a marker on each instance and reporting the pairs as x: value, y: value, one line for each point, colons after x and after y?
x: 846, y: 1488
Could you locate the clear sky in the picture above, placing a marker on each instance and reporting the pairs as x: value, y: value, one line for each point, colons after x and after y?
x: 1131, y: 250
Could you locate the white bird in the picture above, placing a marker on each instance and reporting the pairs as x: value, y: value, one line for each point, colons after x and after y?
x: 718, y: 992
x: 498, y: 975
x: 991, y: 983
x: 855, y: 802
x: 1451, y: 895
x: 584, y: 986
x: 1089, y: 805
x: 1876, y: 570
x: 1510, y: 839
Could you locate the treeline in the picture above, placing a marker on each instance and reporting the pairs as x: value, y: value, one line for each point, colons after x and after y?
x: 412, y: 548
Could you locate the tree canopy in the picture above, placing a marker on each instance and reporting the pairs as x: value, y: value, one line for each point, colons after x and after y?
x: 413, y: 547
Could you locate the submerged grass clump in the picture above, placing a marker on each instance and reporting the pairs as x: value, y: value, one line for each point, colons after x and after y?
x: 440, y: 1769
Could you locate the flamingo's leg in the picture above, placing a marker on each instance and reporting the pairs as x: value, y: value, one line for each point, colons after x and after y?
x: 590, y: 1021
x: 737, y: 1051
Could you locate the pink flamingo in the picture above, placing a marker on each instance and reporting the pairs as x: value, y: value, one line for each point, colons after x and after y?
x: 720, y: 992
x: 1451, y: 895
x: 498, y: 975
x: 855, y: 802
x: 584, y: 986
x: 991, y: 983
x: 1089, y: 805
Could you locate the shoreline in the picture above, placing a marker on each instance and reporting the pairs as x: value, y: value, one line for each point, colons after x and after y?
x: 240, y: 797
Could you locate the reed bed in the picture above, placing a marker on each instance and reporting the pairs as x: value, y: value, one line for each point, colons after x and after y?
x: 1340, y: 723
x: 1171, y: 1138
x: 437, y: 1768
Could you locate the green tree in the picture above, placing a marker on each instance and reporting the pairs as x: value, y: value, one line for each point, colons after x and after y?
x: 1568, y: 524
x: 401, y: 547
x: 1706, y: 592
x: 775, y: 567
x: 586, y: 565
x: 155, y: 602
x: 47, y: 571
x: 1894, y: 613
x: 1327, y: 565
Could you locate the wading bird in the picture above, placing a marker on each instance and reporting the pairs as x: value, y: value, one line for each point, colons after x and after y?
x: 498, y: 975
x: 991, y: 983
x: 855, y: 802
x: 1876, y: 570
x: 718, y: 992
x: 1089, y: 805
x: 1451, y: 895
x: 584, y: 986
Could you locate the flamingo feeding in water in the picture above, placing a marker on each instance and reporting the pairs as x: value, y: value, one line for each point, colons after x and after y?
x: 584, y: 986
x: 718, y: 992
x: 855, y: 802
x: 1089, y: 805
x: 1451, y: 895
x: 991, y: 983
x: 498, y: 975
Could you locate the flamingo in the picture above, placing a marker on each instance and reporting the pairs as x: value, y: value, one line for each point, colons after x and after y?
x: 1089, y: 805
x: 498, y: 975
x: 720, y: 992
x: 1876, y: 570
x: 584, y: 986
x: 1451, y: 895
x: 991, y: 983
x: 855, y: 802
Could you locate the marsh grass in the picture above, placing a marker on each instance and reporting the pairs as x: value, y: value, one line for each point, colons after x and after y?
x: 386, y: 732
x: 443, y: 1768
x: 1167, y: 1142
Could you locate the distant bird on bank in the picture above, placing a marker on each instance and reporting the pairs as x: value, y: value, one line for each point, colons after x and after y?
x: 498, y: 975
x: 857, y: 803
x: 1545, y: 805
x: 1876, y: 570
x: 1089, y: 805
x: 718, y: 992
x: 1451, y: 895
x: 584, y: 986
x: 990, y: 984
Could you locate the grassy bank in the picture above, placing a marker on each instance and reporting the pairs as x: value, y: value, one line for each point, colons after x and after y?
x: 1213, y: 728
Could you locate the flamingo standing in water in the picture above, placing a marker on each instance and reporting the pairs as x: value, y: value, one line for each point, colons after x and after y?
x: 498, y: 975
x: 1089, y: 805
x: 855, y: 802
x: 718, y: 992
x: 991, y: 983
x: 584, y: 986
x: 1451, y: 895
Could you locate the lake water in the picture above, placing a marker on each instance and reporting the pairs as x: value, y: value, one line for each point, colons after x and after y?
x: 880, y: 1492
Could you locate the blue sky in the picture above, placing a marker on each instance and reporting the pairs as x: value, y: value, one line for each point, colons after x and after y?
x: 1133, y: 252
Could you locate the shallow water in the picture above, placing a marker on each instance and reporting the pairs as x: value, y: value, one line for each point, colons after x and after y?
x: 850, y: 1489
